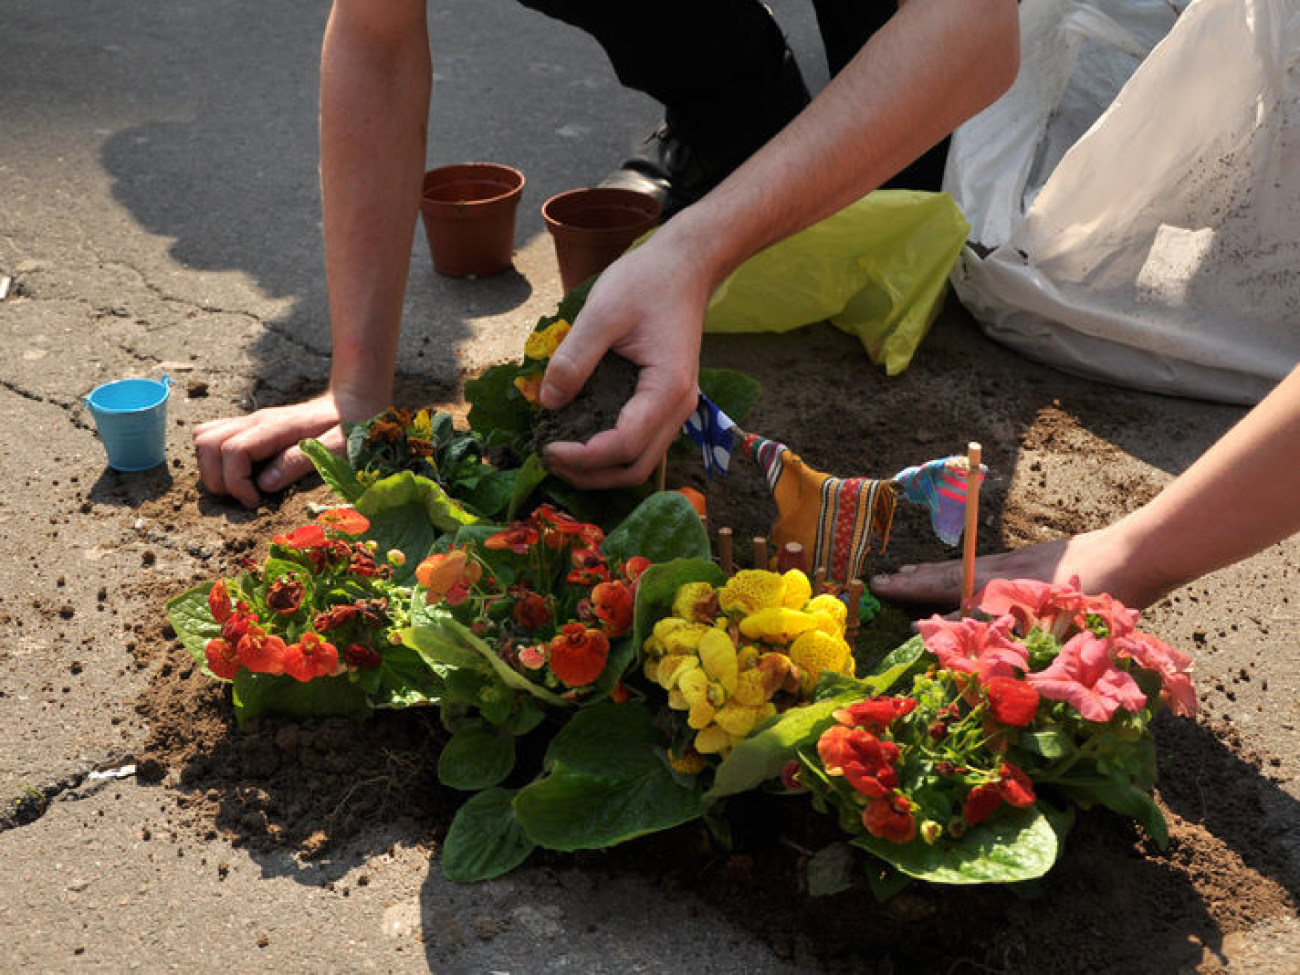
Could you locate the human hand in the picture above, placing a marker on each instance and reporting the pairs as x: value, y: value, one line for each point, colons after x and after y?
x: 649, y: 308
x: 1100, y: 559
x: 229, y: 448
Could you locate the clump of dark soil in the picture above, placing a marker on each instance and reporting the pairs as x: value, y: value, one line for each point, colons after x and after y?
x: 593, y: 409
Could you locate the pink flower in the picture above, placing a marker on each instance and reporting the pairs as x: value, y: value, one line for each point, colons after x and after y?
x: 1172, y: 666
x: 1120, y: 621
x: 1084, y: 676
x: 1051, y: 607
x: 972, y: 646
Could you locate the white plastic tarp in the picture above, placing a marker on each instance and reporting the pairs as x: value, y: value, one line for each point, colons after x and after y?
x: 1135, y: 197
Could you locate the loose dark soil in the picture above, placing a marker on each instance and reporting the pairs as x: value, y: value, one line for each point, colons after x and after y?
x: 1114, y: 903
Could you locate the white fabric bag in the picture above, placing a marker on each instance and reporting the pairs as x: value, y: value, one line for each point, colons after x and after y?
x: 1135, y: 197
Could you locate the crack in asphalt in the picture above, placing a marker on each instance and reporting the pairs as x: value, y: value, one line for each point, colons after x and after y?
x: 32, y: 803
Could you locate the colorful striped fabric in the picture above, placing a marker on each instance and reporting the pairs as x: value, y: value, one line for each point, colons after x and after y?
x: 839, y: 521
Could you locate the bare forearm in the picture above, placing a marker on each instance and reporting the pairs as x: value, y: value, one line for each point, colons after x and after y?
x: 375, y: 78
x: 1240, y: 497
x: 931, y: 67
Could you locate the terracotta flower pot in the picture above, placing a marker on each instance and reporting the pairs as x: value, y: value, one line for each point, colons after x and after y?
x: 469, y: 217
x: 592, y: 227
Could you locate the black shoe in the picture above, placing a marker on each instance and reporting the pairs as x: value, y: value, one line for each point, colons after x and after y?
x: 677, y: 173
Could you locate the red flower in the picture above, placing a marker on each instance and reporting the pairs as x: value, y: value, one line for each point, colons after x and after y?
x: 1084, y: 676
x: 222, y: 659
x: 235, y: 627
x: 612, y: 603
x: 518, y: 538
x: 973, y: 646
x: 619, y: 694
x: 864, y: 760
x: 306, y: 537
x: 532, y: 611
x: 578, y: 655
x: 333, y: 618
x: 589, y: 567
x: 876, y: 713
x: 362, y: 656
x: 347, y: 521
x: 981, y: 802
x: 363, y: 564
x: 634, y: 566
x: 890, y: 818
x: 285, y: 595
x: 261, y: 652
x: 560, y: 530
x: 219, y: 604
x: 310, y: 657
x: 1015, y: 787
x: 1012, y: 701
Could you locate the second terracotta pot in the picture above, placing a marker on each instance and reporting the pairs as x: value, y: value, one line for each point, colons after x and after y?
x: 592, y: 227
x: 469, y: 217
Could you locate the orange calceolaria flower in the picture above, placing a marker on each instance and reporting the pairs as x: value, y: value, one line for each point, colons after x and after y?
x: 308, y: 536
x: 532, y: 611
x: 448, y: 575
x: 233, y: 629
x: 613, y: 606
x: 261, y: 652
x: 578, y: 654
x: 518, y: 538
x: 634, y: 566
x: 891, y: 818
x: 310, y: 657
x: 866, y: 762
x: 530, y: 388
x: 222, y: 659
x: 285, y: 595
x: 588, y: 567
x: 349, y: 521
x: 560, y: 530
x: 875, y: 714
x: 219, y: 604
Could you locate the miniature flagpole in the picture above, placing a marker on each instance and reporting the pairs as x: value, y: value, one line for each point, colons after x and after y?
x: 973, y: 451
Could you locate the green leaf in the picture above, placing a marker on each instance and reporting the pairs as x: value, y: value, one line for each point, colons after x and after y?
x: 530, y: 475
x: 763, y: 754
x: 1012, y: 846
x: 662, y: 527
x: 497, y: 411
x: 440, y: 638
x: 1051, y: 744
x: 405, y: 680
x: 484, y: 840
x: 333, y: 469
x: 1121, y: 796
x: 262, y: 694
x: 190, y: 617
x: 896, y: 665
x: 607, y: 783
x: 408, y: 512
x: 476, y: 757
x: 830, y: 870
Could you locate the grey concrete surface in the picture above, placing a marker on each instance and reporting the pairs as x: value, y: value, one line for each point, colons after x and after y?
x: 159, y: 214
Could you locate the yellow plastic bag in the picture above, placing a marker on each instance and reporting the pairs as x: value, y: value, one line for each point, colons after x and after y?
x: 878, y: 269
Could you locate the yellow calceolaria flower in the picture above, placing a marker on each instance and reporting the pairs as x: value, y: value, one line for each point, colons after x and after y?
x: 750, y: 590
x: 541, y: 345
x: 696, y: 601
x: 724, y: 702
x: 814, y: 651
x: 830, y: 612
x: 688, y: 763
x: 777, y: 625
x: 367, y: 477
x: 798, y: 590
x: 422, y: 425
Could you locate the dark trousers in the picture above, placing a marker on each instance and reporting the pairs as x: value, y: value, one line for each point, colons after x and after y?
x: 721, y: 68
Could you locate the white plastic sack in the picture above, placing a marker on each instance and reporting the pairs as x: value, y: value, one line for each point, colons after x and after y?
x: 1135, y: 197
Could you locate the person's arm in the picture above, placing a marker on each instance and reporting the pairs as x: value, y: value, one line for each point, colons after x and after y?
x: 374, y: 102
x: 935, y: 64
x: 1238, y: 498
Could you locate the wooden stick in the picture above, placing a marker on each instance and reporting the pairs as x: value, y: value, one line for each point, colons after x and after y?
x: 791, y: 557
x: 819, y: 580
x: 724, y: 552
x: 760, y: 552
x: 973, y: 451
x: 854, y: 620
x: 661, y: 476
